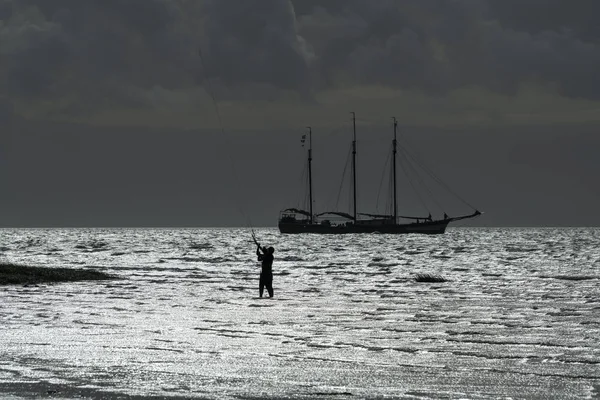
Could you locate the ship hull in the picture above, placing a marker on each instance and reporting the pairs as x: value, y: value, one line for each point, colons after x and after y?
x: 427, y: 228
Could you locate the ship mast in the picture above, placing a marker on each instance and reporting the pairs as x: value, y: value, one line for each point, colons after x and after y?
x: 395, y: 143
x: 354, y: 163
x: 310, y: 193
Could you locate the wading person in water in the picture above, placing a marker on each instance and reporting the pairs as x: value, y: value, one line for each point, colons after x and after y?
x: 266, y: 274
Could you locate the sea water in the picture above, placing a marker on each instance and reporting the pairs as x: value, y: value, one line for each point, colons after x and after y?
x: 518, y: 315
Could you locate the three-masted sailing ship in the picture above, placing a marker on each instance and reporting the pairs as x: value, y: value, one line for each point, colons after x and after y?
x: 295, y: 220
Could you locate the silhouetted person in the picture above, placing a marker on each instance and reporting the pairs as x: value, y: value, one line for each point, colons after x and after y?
x: 266, y: 273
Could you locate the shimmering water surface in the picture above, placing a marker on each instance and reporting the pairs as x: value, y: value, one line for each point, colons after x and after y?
x: 519, y: 316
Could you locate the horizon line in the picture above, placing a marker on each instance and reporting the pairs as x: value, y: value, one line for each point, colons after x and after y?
x: 275, y: 227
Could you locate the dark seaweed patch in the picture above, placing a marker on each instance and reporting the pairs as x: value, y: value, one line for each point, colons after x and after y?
x: 12, y: 274
x: 571, y: 277
x: 430, y: 278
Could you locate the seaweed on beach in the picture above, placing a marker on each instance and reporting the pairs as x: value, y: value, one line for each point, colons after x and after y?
x: 573, y: 277
x: 13, y: 274
x: 430, y: 278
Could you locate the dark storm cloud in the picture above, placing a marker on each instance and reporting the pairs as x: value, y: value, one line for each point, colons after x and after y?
x: 5, y: 9
x: 440, y: 45
x: 111, y: 49
x: 123, y: 51
x: 510, y: 57
x: 405, y: 44
x: 256, y: 41
x: 534, y: 16
x: 34, y: 62
x: 96, y: 50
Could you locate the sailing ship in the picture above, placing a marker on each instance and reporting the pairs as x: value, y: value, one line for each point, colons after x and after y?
x: 296, y: 220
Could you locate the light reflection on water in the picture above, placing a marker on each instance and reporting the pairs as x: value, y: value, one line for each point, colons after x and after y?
x: 519, y: 316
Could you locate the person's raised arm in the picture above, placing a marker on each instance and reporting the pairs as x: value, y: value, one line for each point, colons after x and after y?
x: 258, y: 252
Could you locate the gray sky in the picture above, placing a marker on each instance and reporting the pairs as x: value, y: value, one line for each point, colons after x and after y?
x: 105, y: 117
